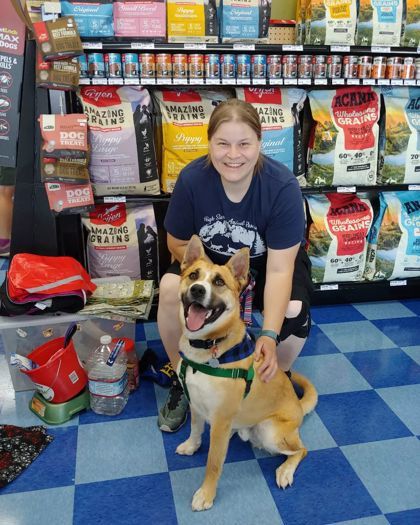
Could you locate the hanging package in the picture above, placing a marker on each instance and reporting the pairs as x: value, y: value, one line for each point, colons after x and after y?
x: 58, y: 39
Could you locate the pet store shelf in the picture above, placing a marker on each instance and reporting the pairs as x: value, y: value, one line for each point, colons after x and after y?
x: 308, y: 190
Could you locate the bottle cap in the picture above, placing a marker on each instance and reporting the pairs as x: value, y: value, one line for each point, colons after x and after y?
x: 105, y: 339
x: 128, y: 343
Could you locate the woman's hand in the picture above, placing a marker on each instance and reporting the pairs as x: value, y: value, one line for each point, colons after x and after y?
x: 266, y: 347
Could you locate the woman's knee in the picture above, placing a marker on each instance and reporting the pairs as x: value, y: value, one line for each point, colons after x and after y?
x: 293, y: 309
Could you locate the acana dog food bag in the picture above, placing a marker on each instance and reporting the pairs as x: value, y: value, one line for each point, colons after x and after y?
x: 94, y: 18
x: 192, y: 21
x: 279, y: 111
x: 331, y: 22
x: 123, y: 156
x: 343, y: 149
x: 140, y: 18
x: 245, y: 20
x: 411, y: 36
x: 122, y: 241
x: 379, y: 23
x: 394, y: 240
x: 337, y: 236
x: 401, y: 154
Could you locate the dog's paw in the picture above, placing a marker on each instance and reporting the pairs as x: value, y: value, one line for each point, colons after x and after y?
x: 188, y: 447
x: 201, y: 500
x: 284, y: 475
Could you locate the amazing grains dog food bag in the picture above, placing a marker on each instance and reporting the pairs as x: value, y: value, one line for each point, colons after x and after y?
x: 245, y: 20
x: 331, y: 22
x: 182, y: 124
x: 122, y: 241
x: 123, y: 156
x: 394, y: 240
x: 337, y: 236
x: 379, y: 23
x: 140, y: 18
x: 279, y: 111
x: 343, y: 149
x: 192, y: 20
x: 401, y: 153
x: 94, y: 18
x: 411, y: 36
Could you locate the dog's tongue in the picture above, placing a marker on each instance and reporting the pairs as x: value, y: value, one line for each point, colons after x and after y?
x: 196, y: 317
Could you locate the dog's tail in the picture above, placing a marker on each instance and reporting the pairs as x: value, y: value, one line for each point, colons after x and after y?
x: 310, y: 397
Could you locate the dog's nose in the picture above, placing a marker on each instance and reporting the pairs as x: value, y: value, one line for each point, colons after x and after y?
x: 197, y: 291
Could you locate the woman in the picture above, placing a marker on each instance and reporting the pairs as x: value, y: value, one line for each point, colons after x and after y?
x: 237, y: 197
x: 7, y: 188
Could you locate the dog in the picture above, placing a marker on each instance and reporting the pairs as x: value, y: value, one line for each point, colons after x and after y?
x: 213, y: 342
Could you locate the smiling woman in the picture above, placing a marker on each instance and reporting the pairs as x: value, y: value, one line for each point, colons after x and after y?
x: 235, y: 198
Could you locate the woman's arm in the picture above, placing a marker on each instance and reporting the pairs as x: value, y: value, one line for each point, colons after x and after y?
x: 277, y: 289
x: 176, y: 247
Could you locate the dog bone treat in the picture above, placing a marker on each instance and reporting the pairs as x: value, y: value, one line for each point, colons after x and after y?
x: 57, y: 39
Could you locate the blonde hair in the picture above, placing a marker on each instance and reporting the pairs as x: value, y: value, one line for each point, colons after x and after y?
x: 237, y: 110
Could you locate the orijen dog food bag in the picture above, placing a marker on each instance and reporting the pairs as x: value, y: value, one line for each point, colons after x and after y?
x: 94, y: 18
x: 344, y: 142
x: 411, y: 36
x: 184, y: 121
x: 379, y: 23
x: 140, y: 18
x: 245, y: 20
x: 122, y: 241
x: 279, y: 111
x: 192, y: 20
x: 401, y: 155
x: 337, y: 236
x: 331, y: 22
x: 394, y: 240
x: 123, y: 156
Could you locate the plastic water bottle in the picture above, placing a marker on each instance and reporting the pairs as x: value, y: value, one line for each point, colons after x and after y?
x: 107, y: 374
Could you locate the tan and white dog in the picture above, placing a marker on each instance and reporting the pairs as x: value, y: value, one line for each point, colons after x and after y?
x: 270, y: 414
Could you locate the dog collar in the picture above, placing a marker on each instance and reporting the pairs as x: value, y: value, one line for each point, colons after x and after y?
x: 205, y: 344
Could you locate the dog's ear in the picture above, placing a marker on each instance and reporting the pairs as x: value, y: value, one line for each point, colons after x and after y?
x: 193, y: 252
x: 238, y: 264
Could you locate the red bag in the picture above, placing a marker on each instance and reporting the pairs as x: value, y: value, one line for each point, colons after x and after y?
x: 38, y: 276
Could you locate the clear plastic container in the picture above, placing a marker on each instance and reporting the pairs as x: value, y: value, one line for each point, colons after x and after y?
x: 107, y: 373
x: 132, y: 362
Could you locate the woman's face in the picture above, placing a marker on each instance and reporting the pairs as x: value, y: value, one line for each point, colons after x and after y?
x: 234, y: 150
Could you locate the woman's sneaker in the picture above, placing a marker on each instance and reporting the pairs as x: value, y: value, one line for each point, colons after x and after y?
x: 173, y: 414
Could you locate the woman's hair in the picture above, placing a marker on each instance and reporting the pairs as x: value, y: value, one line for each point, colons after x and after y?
x: 237, y: 110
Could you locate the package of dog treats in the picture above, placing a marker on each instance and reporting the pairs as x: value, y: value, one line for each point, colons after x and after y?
x: 58, y: 74
x: 65, y: 137
x: 69, y: 198
x: 331, y: 22
x: 58, y: 39
x: 379, y: 23
x: 140, y: 18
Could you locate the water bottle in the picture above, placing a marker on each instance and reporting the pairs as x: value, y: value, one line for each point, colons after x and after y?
x: 107, y: 374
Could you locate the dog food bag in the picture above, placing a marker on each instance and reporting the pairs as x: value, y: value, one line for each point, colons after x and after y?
x: 69, y: 198
x: 123, y: 156
x: 122, y: 241
x: 401, y: 155
x: 394, y: 240
x: 57, y: 74
x: 245, y: 20
x: 337, y: 236
x: 411, y: 35
x: 184, y: 121
x: 140, y: 18
x: 279, y: 111
x: 192, y: 20
x: 58, y: 39
x: 344, y: 141
x: 379, y: 23
x: 94, y: 18
x: 300, y: 28
x: 331, y: 22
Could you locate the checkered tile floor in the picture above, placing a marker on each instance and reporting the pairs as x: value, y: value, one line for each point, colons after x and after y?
x: 363, y: 466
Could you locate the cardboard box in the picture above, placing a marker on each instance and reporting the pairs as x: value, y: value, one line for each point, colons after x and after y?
x: 24, y: 333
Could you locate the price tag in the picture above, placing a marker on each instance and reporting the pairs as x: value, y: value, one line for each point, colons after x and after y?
x: 195, y: 46
x: 304, y: 81
x: 131, y: 81
x: 383, y: 82
x: 346, y: 189
x: 276, y: 81
x: 409, y: 82
x: 213, y: 81
x: 197, y: 81
x: 340, y: 49
x: 337, y: 81
x: 148, y: 81
x: 320, y: 81
x: 163, y: 81
x: 179, y: 81
x: 242, y: 81
x: 92, y: 45
x: 229, y: 81
x: 259, y: 81
x: 290, y: 81
x: 84, y: 81
x: 287, y: 47
x: 114, y: 198
x: 380, y: 49
x: 418, y: 50
x: 115, y: 81
x: 142, y: 45
x: 99, y: 81
x: 418, y: 82
x: 244, y: 47
x: 397, y: 82
x: 328, y: 287
x: 414, y: 187
x: 401, y: 282
x: 353, y: 81
x: 52, y: 7
x: 368, y: 81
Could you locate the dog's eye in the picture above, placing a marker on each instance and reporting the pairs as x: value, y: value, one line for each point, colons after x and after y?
x: 193, y: 276
x: 218, y: 281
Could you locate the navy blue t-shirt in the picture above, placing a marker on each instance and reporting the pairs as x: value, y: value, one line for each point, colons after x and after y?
x: 269, y: 215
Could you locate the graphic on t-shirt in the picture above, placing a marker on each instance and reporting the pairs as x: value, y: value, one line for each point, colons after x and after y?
x: 228, y: 236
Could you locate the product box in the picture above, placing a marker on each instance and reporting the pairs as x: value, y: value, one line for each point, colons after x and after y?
x: 140, y: 19
x: 22, y: 334
x: 192, y: 20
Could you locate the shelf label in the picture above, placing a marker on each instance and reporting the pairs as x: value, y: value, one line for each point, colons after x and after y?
x: 84, y: 81
x: 401, y: 282
x: 163, y: 81
x: 148, y: 81
x: 229, y: 81
x: 418, y: 82
x: 276, y: 81
x: 380, y: 49
x: 346, y: 189
x: 290, y: 81
x: 115, y: 81
x: 368, y: 81
x: 99, y: 81
x: 196, y: 81
x: 180, y: 81
x: 353, y: 81
x: 131, y: 81
x: 287, y: 47
x: 337, y: 81
x: 418, y: 50
x: 340, y: 49
x: 328, y: 287
x: 192, y: 45
x: 383, y: 82
x: 244, y: 47
x: 409, y: 82
x: 92, y: 45
x: 114, y: 198
x: 213, y: 81
x: 414, y: 187
x: 397, y: 82
x: 142, y: 45
x: 242, y: 81
x: 320, y: 81
x: 259, y: 81
x: 304, y: 81
x: 52, y: 7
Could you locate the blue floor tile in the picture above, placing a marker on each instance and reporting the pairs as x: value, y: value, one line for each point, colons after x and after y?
x: 408, y: 517
x: 318, y: 343
x: 384, y: 310
x: 334, y: 314
x: 402, y: 331
x: 413, y: 305
x: 404, y: 401
x: 413, y: 352
x: 357, y: 336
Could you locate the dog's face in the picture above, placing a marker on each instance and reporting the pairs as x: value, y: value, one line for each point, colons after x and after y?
x: 210, y: 293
